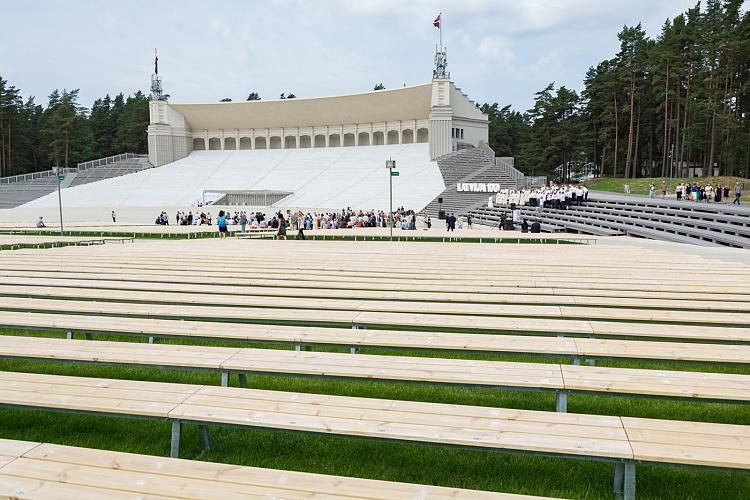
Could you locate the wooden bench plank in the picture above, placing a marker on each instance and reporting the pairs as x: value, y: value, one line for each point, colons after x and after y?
x: 669, y: 441
x: 511, y: 375
x: 435, y: 341
x: 715, y: 386
x: 224, y: 477
x: 518, y: 296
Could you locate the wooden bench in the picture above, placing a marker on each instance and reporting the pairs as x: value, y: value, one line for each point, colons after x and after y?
x: 131, y: 269
x: 193, y: 293
x: 373, y: 277
x: 354, y: 318
x: 421, y: 307
x: 305, y: 337
x: 622, y: 441
x: 40, y: 470
x: 560, y: 379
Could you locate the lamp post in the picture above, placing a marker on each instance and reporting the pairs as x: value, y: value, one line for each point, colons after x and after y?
x: 59, y: 196
x: 390, y: 164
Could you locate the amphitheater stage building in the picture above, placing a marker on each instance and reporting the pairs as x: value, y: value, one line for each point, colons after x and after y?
x: 316, y: 153
x: 436, y: 113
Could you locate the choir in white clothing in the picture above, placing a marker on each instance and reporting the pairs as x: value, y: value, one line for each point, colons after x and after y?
x: 552, y: 196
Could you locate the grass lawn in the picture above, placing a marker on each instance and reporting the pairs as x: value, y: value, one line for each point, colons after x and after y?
x: 640, y: 186
x: 382, y: 460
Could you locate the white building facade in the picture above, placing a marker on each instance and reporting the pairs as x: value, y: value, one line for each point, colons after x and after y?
x: 437, y: 113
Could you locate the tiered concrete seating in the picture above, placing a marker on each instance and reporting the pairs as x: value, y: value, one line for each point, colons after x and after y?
x: 681, y: 222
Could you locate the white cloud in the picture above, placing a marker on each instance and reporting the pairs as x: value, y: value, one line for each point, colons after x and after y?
x: 499, y: 50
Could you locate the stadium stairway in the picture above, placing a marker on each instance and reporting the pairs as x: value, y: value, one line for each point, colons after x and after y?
x: 706, y: 224
x: 467, y: 165
x: 17, y: 192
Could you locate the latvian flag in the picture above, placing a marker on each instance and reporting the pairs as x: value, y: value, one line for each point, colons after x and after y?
x: 436, y: 22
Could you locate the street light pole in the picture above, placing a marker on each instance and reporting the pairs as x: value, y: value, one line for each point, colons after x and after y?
x: 59, y: 199
x: 390, y: 165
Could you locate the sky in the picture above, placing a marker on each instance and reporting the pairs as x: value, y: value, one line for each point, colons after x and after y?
x: 498, y: 50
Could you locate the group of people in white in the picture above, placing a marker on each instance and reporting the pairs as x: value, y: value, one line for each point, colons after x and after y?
x: 552, y: 196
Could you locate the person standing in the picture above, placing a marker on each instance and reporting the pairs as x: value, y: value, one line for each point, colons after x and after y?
x: 281, y: 233
x: 652, y: 191
x: 243, y: 222
x: 221, y: 222
x: 468, y: 221
x: 737, y: 194
x: 114, y: 217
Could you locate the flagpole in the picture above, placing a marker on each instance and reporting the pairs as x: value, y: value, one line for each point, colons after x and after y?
x: 441, y: 31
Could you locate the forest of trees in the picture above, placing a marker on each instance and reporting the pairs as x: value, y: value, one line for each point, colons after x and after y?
x: 682, y: 99
x: 35, y: 137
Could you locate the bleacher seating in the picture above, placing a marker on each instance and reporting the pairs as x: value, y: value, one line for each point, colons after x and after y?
x: 707, y: 224
x: 323, y: 178
x: 467, y: 165
x: 18, y: 191
x: 117, y: 169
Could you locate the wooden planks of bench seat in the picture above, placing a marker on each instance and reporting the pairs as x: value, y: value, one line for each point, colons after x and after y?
x: 689, y: 443
x: 660, y: 383
x: 436, y: 341
x: 123, y: 397
x: 432, y: 370
x: 519, y: 430
x: 511, y: 375
x: 49, y: 470
x: 411, y: 291
x: 709, y: 302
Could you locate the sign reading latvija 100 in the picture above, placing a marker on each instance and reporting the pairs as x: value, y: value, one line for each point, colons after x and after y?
x: 478, y: 187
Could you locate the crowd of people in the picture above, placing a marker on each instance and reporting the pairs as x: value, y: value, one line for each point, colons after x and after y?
x: 694, y: 191
x: 296, y: 220
x: 552, y: 196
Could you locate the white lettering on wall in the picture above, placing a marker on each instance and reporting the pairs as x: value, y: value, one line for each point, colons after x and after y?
x: 477, y: 187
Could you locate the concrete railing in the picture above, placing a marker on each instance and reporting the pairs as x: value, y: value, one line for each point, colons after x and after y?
x: 102, y: 162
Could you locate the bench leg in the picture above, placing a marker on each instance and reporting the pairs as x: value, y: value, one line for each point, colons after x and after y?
x: 617, y: 484
x: 561, y: 401
x: 88, y: 336
x: 354, y: 350
x: 575, y: 361
x: 151, y: 340
x: 205, y: 437
x: 629, y: 481
x: 69, y: 335
x: 591, y: 362
x: 243, y: 380
x: 298, y: 347
x: 224, y: 379
x: 175, y: 446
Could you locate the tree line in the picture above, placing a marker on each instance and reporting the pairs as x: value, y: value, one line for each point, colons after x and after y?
x: 657, y: 106
x: 35, y: 137
x: 681, y: 100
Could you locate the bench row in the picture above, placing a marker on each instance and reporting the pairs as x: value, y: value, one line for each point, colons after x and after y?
x: 326, y: 316
x: 39, y: 470
x: 734, y: 318
x: 623, y: 441
x: 224, y: 294
x: 560, y: 379
x: 355, y: 339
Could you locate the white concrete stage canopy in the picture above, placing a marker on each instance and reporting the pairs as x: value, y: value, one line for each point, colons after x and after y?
x: 323, y: 178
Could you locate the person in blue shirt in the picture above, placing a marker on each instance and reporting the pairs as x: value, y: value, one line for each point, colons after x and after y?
x: 221, y: 221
